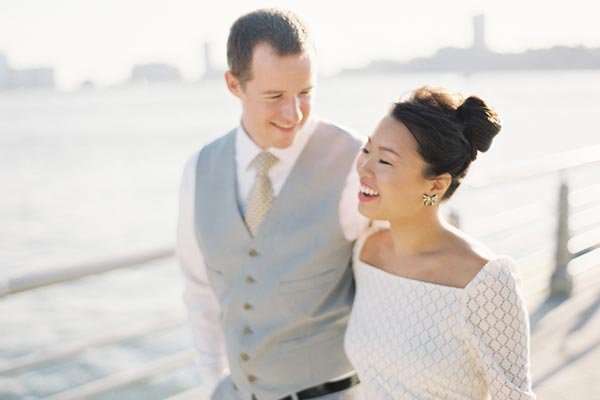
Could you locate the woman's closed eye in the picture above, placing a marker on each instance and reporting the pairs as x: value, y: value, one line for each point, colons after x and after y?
x: 381, y: 161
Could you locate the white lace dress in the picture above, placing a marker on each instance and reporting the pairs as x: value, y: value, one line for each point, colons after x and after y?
x: 410, y: 339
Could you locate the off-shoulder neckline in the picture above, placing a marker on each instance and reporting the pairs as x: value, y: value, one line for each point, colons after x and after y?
x: 433, y: 284
x: 496, y: 260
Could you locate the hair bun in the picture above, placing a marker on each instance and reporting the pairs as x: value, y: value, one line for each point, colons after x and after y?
x: 481, y: 124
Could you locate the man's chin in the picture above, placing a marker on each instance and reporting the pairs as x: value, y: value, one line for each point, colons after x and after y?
x: 283, y: 144
x: 285, y: 139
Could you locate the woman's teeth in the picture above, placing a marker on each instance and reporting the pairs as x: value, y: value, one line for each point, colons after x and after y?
x: 368, y: 191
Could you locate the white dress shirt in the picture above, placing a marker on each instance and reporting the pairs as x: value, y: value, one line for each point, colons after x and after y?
x: 200, y: 300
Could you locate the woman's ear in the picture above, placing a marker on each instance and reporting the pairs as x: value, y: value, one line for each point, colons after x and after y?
x: 441, y: 183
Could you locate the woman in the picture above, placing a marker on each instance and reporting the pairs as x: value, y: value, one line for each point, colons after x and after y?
x: 436, y: 315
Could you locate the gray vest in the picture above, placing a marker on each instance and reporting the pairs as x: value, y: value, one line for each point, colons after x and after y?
x: 285, y: 294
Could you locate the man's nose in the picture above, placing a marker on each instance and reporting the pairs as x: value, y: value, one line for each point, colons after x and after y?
x: 292, y: 111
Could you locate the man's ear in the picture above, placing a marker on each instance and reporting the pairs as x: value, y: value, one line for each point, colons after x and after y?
x: 233, y: 84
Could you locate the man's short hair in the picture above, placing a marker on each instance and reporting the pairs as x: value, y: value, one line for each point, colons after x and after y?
x: 283, y: 30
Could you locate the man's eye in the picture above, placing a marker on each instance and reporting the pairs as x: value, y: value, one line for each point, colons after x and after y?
x: 384, y: 162
x: 364, y: 150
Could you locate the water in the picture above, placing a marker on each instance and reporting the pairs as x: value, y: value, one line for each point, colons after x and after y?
x: 94, y: 174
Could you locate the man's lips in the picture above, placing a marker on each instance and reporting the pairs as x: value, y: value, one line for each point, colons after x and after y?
x: 287, y: 129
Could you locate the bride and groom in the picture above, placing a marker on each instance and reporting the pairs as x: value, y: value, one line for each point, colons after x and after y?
x: 292, y: 293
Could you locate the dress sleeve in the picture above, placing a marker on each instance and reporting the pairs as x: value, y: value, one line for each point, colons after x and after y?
x: 497, y: 327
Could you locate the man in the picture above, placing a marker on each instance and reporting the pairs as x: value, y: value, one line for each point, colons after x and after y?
x: 268, y: 216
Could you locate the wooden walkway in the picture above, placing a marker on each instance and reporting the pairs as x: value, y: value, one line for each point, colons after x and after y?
x: 566, y: 342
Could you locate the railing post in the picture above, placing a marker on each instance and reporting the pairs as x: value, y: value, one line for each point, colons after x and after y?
x: 561, y: 282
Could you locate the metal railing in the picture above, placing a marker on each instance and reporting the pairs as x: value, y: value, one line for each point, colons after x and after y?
x: 27, y: 282
x: 569, y: 205
x: 577, y: 233
x: 557, y: 164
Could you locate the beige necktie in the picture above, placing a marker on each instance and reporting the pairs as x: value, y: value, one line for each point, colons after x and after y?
x: 261, y: 194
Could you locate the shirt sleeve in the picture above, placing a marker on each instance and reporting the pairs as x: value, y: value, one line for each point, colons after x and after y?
x: 200, y: 300
x: 353, y: 224
x: 497, y: 325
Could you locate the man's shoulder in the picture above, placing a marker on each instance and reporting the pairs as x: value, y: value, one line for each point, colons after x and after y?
x: 337, y: 138
x: 216, y: 147
x: 210, y: 151
x: 219, y: 142
x: 336, y: 129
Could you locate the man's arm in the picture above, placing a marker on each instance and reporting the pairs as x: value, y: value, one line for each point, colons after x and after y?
x: 201, y: 302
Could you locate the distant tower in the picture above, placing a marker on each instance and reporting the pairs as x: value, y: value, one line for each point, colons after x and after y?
x: 4, y: 71
x: 209, y: 70
x: 479, y: 32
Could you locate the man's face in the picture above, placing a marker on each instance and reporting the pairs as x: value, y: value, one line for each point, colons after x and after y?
x: 276, y: 101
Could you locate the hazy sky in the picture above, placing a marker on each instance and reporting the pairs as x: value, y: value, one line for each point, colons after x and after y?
x: 102, y: 39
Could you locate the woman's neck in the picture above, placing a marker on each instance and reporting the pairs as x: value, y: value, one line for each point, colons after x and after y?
x: 421, y: 233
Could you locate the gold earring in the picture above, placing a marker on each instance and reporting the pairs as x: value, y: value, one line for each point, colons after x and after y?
x: 430, y: 200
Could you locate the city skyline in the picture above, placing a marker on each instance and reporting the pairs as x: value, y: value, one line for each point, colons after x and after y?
x: 102, y: 41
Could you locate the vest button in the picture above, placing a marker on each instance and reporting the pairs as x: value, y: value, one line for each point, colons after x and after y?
x: 249, y: 279
x: 251, y: 378
x: 253, y: 253
x: 247, y: 306
x: 247, y: 330
x: 244, y: 357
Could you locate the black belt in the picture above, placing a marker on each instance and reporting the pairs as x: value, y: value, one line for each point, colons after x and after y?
x: 326, y: 388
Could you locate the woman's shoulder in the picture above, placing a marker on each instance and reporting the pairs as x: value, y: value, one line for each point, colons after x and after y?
x: 462, y: 267
x: 498, y: 272
x: 370, y: 242
x: 466, y: 258
x: 490, y: 277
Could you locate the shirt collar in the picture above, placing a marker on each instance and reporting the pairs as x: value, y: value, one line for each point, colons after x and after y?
x: 247, y: 150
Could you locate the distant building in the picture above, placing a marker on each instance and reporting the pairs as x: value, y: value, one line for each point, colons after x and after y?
x: 479, y: 58
x: 87, y: 84
x: 210, y: 72
x: 479, y: 32
x: 24, y: 78
x: 32, y: 78
x: 4, y: 72
x: 155, y: 72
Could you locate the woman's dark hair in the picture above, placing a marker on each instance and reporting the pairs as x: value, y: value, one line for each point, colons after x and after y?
x: 449, y: 130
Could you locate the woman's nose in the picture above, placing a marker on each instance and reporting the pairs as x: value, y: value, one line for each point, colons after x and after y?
x: 363, y: 164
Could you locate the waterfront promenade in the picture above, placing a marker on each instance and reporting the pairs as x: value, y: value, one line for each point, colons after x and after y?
x: 566, y: 342
x: 116, y: 328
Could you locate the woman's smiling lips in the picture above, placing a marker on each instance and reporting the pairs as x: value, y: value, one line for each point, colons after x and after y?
x: 366, y: 193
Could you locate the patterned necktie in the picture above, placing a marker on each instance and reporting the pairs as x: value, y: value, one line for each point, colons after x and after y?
x: 261, y: 194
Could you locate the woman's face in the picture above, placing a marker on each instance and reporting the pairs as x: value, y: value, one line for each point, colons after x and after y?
x: 391, y: 174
